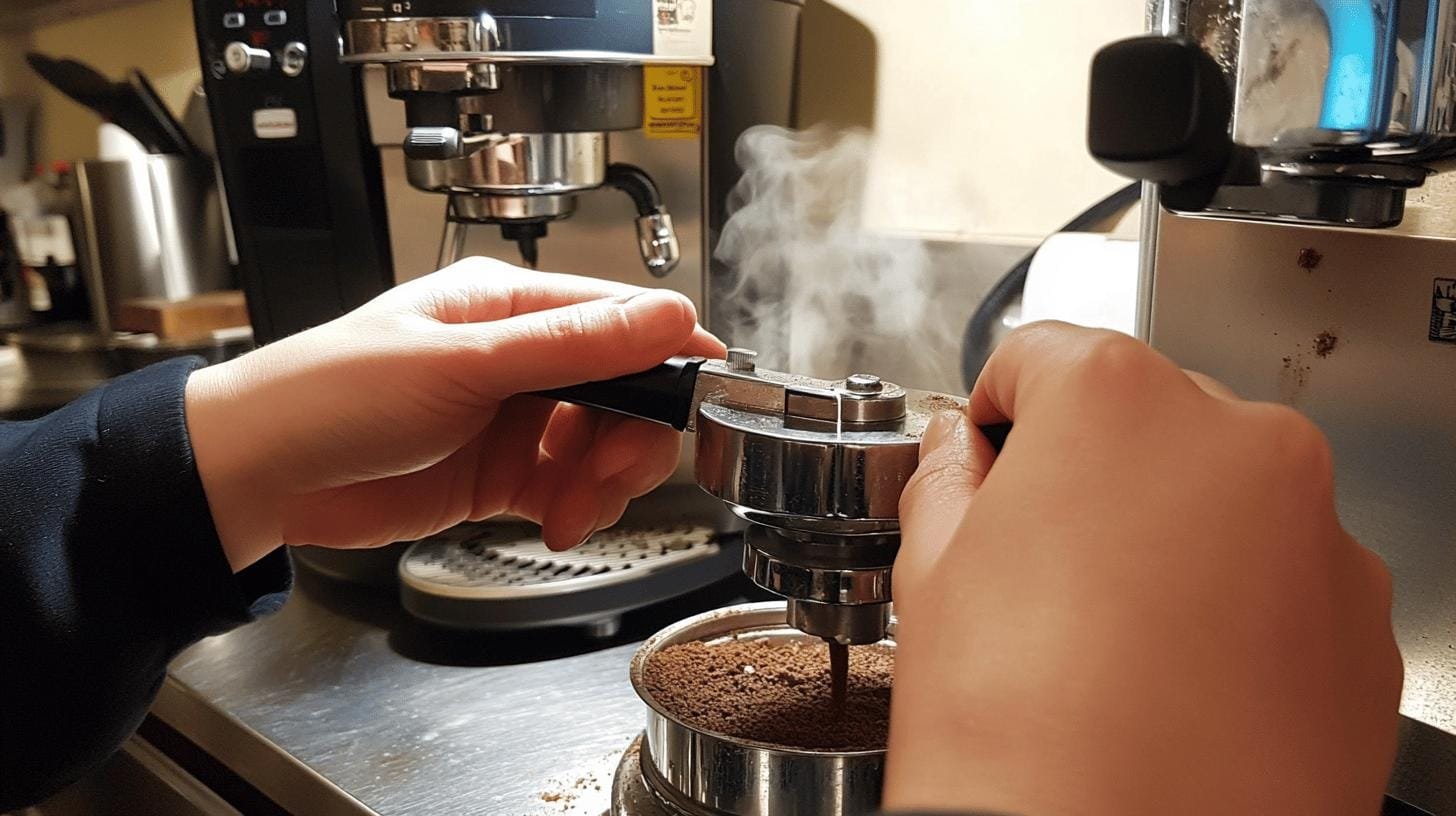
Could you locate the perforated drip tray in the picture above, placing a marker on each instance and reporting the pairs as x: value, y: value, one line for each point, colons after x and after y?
x: 499, y: 575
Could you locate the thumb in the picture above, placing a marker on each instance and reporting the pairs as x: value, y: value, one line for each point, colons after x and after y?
x: 954, y: 459
x: 581, y: 342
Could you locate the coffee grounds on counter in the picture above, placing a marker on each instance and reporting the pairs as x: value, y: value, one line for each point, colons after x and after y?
x: 775, y: 692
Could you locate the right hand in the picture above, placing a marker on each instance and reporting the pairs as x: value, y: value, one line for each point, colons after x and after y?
x: 1146, y: 605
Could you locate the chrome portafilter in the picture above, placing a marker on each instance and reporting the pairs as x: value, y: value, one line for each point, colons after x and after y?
x: 815, y: 466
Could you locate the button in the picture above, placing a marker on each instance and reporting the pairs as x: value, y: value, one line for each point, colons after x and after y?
x: 233, y: 19
x: 242, y: 58
x: 275, y: 123
x: 276, y: 17
x: 292, y: 58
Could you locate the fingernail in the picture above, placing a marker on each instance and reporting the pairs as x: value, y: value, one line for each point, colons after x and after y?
x: 940, y: 429
x: 649, y: 300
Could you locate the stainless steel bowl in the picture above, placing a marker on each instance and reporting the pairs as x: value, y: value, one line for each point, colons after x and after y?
x: 700, y: 772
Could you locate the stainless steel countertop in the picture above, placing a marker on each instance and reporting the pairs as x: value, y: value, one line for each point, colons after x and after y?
x: 340, y: 704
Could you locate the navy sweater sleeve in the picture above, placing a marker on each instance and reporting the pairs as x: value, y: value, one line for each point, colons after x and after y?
x: 109, y: 566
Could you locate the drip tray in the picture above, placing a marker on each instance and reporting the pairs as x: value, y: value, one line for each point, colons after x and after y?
x: 500, y: 576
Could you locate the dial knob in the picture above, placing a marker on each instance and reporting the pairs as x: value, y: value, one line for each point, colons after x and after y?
x: 242, y: 58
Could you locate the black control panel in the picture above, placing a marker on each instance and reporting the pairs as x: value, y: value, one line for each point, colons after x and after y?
x: 303, y: 181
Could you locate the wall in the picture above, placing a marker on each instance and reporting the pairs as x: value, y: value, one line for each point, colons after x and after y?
x: 14, y: 74
x: 155, y: 36
x: 979, y: 108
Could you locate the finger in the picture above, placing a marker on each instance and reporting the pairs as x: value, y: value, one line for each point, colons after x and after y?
x: 628, y: 458
x: 623, y: 444
x: 954, y: 460
x: 1060, y: 365
x: 477, y: 290
x: 512, y: 447
x: 583, y: 342
x: 480, y: 290
x: 635, y: 482
x: 704, y: 343
x: 1212, y: 387
x: 563, y: 445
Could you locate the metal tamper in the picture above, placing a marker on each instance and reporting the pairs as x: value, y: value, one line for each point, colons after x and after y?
x: 816, y: 467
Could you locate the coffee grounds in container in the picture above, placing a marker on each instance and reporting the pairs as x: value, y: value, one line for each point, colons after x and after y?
x: 776, y: 692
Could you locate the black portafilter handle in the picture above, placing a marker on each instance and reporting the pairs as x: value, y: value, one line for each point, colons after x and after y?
x: 664, y: 394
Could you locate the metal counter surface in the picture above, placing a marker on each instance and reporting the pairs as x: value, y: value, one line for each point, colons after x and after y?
x: 340, y: 704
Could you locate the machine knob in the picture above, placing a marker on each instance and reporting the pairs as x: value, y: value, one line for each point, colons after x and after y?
x: 241, y: 58
x: 293, y: 58
x: 1159, y: 111
x: 433, y: 143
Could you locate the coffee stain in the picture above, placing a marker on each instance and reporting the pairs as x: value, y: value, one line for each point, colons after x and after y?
x: 1293, y: 378
x: 1295, y: 369
x: 1309, y: 258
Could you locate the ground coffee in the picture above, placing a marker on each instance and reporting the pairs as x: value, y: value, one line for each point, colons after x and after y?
x: 776, y: 692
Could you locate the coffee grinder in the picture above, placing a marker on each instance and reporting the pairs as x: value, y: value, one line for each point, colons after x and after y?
x: 1298, y: 244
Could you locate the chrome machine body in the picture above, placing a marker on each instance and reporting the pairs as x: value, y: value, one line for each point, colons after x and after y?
x: 510, y: 121
x: 1299, y: 245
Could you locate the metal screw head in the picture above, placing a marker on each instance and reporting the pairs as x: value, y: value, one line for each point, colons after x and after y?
x: 741, y: 359
x: 863, y: 384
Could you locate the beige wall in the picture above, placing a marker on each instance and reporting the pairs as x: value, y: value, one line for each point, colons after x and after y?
x: 155, y: 36
x: 15, y: 77
x: 979, y: 107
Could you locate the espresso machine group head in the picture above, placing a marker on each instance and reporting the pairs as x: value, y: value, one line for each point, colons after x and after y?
x: 507, y: 123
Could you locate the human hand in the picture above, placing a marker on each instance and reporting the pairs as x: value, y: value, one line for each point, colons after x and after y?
x: 406, y: 416
x: 1146, y: 605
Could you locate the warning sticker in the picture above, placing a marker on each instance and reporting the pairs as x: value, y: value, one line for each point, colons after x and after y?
x: 1443, y: 310
x: 672, y: 101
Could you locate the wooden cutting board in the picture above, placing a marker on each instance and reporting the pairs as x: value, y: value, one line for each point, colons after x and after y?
x: 193, y: 317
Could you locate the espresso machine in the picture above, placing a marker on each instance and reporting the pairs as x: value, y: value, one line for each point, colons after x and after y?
x: 1299, y: 244
x: 371, y: 143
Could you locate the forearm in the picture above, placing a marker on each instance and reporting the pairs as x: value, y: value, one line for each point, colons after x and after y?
x: 109, y: 565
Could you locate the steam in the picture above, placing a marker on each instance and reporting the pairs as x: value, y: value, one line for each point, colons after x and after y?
x: 816, y: 291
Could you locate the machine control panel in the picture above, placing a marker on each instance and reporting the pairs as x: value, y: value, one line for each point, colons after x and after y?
x: 258, y: 50
x: 307, y: 211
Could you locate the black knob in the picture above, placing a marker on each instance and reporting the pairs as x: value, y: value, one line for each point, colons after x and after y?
x: 1160, y: 110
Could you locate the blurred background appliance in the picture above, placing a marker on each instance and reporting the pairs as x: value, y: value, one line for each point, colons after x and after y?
x: 152, y: 227
x: 358, y: 149
x: 1268, y: 132
x: 125, y: 258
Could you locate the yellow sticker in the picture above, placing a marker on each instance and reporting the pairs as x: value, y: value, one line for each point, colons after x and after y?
x: 672, y: 101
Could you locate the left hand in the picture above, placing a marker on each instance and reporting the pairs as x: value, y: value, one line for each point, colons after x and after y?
x: 408, y: 415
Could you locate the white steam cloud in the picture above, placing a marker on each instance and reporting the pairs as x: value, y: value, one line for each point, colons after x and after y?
x: 816, y: 291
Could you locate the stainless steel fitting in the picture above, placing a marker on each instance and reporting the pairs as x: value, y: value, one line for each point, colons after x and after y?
x: 817, y: 467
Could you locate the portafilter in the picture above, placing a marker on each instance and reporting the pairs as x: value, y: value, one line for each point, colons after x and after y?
x: 816, y: 466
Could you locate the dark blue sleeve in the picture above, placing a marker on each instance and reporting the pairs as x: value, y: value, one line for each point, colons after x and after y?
x: 109, y: 566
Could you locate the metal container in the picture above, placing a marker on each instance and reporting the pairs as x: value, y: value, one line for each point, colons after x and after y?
x: 706, y: 774
x: 150, y: 226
